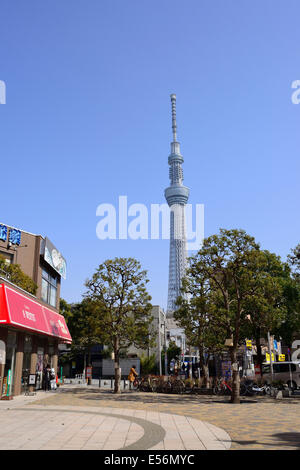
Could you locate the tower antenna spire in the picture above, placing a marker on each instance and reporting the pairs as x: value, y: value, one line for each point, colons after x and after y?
x: 174, y: 124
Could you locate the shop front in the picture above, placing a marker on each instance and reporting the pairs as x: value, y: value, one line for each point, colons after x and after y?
x: 30, y: 334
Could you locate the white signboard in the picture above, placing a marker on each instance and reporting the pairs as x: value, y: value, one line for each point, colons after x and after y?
x: 2, y: 352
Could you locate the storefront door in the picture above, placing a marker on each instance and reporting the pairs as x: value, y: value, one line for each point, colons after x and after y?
x: 26, y: 361
x: 9, y: 370
x: 39, y: 368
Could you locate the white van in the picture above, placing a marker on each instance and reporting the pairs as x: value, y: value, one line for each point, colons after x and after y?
x: 288, y: 372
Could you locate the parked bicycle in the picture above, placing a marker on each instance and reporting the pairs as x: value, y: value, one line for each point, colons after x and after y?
x: 222, y: 387
x: 166, y: 386
x: 178, y: 386
x: 143, y: 384
x: 250, y: 388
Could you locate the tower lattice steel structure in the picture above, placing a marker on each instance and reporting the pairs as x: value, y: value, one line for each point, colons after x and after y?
x: 177, y: 196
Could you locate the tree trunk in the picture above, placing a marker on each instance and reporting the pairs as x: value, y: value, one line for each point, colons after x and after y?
x: 117, y: 388
x: 206, y: 376
x: 84, y: 364
x: 204, y: 368
x: 89, y: 381
x: 235, y: 394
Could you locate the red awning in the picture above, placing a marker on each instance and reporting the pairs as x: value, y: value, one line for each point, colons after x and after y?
x: 17, y: 309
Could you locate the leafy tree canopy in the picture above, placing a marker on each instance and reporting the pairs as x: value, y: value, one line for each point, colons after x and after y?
x: 14, y: 274
x: 121, y: 306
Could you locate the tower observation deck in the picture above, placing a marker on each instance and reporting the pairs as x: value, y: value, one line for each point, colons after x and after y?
x: 177, y: 196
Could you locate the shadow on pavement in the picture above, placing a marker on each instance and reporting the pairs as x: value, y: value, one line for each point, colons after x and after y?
x: 144, y: 397
x: 290, y: 438
x: 284, y: 439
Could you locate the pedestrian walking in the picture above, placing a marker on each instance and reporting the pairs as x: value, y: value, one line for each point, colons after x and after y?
x: 47, y: 378
x: 132, y: 375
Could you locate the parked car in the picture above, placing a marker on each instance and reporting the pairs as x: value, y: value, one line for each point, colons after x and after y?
x: 288, y: 372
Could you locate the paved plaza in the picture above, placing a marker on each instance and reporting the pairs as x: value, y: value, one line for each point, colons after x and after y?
x: 84, y: 417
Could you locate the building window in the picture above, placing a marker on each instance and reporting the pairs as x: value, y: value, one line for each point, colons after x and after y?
x: 49, y: 288
x: 8, y: 257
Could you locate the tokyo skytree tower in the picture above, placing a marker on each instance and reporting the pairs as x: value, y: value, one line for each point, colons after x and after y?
x: 177, y: 196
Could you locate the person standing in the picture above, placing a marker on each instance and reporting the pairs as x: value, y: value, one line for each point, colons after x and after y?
x: 132, y: 375
x: 53, y: 379
x: 47, y: 378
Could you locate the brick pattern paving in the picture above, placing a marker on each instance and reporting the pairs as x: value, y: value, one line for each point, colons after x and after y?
x: 260, y: 423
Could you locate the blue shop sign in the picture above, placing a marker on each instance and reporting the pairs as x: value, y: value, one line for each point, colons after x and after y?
x: 14, y: 235
x: 3, y: 233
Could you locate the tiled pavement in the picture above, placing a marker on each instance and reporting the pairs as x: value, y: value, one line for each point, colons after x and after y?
x: 96, y: 428
x: 86, y: 418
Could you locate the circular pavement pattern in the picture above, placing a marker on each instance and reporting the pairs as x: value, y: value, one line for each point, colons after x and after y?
x: 53, y: 427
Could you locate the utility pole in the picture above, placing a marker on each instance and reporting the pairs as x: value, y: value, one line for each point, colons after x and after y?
x: 159, y: 343
x: 165, y: 348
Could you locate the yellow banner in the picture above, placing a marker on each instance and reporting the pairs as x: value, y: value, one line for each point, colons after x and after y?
x: 268, y: 357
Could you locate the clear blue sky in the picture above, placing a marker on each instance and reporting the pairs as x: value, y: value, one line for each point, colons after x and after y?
x: 88, y: 119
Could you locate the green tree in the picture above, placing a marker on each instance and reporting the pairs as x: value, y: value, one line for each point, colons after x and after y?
x: 289, y: 328
x: 173, y: 352
x: 266, y: 308
x: 148, y: 364
x: 81, y: 323
x: 14, y: 274
x: 121, y: 307
x: 229, y: 263
x: 294, y: 260
x: 195, y: 314
x: 65, y: 309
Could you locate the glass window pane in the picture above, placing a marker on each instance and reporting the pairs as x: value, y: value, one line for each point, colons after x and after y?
x: 27, y: 344
x: 45, y: 274
x: 7, y: 256
x: 52, y: 296
x: 44, y: 290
